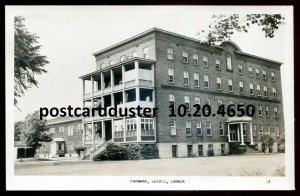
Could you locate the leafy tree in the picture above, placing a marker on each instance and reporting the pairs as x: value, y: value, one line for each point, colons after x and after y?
x: 36, y: 131
x: 28, y: 61
x: 19, y: 129
x: 226, y: 25
x: 267, y: 141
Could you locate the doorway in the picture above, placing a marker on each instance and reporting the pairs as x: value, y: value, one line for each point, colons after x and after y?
x: 108, y: 130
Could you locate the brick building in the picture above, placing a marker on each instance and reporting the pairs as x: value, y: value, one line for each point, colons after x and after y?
x: 67, y: 135
x: 158, y: 68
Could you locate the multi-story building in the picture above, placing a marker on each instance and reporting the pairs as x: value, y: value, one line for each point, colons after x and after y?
x: 67, y: 135
x: 158, y: 68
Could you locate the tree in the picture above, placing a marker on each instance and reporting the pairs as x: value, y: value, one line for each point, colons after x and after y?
x: 19, y: 129
x: 267, y: 141
x: 226, y: 25
x: 28, y: 61
x: 36, y: 131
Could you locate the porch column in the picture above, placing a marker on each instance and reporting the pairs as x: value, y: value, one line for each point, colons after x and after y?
x: 251, y: 134
x: 228, y: 130
x: 124, y: 129
x: 83, y: 134
x: 112, y: 130
x: 103, y: 129
x: 112, y: 80
x: 136, y: 68
x: 83, y: 87
x: 138, y: 128
x: 238, y: 133
x: 102, y: 81
x: 93, y: 128
x: 242, y: 134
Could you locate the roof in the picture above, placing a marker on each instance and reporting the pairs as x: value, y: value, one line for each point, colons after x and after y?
x: 63, y: 120
x: 238, y: 50
x: 21, y: 143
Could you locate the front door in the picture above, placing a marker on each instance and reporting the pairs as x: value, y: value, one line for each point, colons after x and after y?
x: 108, y: 130
x: 223, y: 149
x: 233, y: 132
x: 174, y: 150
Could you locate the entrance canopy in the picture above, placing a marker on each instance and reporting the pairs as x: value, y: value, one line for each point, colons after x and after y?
x: 239, y: 119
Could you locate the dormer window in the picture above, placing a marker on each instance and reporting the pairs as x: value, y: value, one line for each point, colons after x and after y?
x: 229, y: 62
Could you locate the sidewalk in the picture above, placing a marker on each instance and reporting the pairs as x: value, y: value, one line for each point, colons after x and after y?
x: 32, y: 162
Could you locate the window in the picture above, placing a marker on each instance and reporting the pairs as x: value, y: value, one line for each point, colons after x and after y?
x: 208, y: 128
x: 147, y: 127
x: 258, y: 90
x: 51, y: 130
x: 219, y: 83
x: 240, y: 69
x: 197, y: 100
x: 131, y: 127
x: 277, y: 130
x: 146, y: 53
x: 70, y: 146
x: 186, y: 78
x: 221, y: 127
x: 188, y: 127
x: 264, y: 74
x: 171, y: 75
x: 187, y: 102
x: 185, y: 58
x: 259, y: 110
x: 79, y: 130
x: 170, y: 54
x: 269, y: 128
x: 61, y: 130
x: 206, y: 81
x: 261, y: 128
x: 134, y: 54
x: 173, y: 127
x: 172, y: 100
x: 265, y: 91
x: 220, y: 102
x: 254, y: 129
x: 198, y: 128
x: 195, y: 59
x: 267, y: 110
x: 70, y: 130
x: 207, y: 102
x: 122, y: 58
x: 273, y: 76
x: 250, y: 71
x: 251, y: 89
x: 218, y: 64
x: 257, y: 73
x: 275, y: 111
x: 230, y: 87
x: 274, y: 92
x: 229, y: 63
x: 241, y: 87
x: 205, y: 61
x: 111, y: 62
x: 210, y: 147
x: 196, y: 79
x: 244, y: 130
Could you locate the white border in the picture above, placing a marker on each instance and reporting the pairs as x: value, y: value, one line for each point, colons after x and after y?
x: 123, y: 182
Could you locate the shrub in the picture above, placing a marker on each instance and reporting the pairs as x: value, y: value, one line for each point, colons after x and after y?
x: 128, y: 152
x: 116, y: 152
x: 79, y: 149
x: 149, y: 151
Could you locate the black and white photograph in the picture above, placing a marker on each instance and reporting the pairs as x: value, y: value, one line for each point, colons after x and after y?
x: 149, y: 97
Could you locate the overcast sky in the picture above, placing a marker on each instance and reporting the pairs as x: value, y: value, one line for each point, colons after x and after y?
x: 69, y: 36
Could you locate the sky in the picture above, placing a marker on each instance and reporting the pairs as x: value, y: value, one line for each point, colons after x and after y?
x: 69, y: 36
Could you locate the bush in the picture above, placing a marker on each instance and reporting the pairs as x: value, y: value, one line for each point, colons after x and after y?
x: 116, y: 152
x: 79, y: 149
x: 149, y: 151
x: 128, y: 152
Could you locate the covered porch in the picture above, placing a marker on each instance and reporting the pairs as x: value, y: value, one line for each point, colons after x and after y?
x: 236, y: 129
